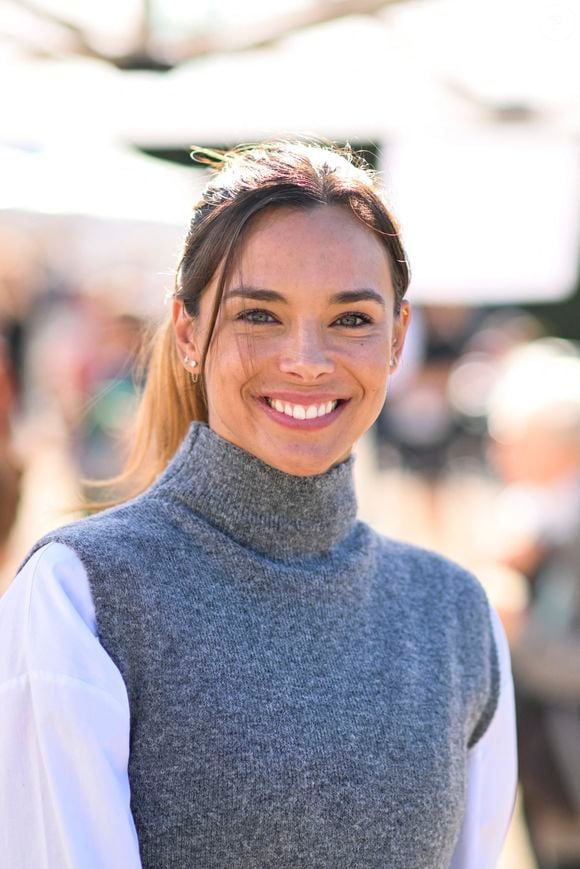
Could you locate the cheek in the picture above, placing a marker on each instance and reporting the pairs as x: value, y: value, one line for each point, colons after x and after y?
x: 235, y: 359
x: 370, y: 360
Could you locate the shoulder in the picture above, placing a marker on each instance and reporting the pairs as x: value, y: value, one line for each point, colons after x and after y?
x: 428, y: 576
x: 48, y: 626
x: 52, y: 572
x: 113, y: 534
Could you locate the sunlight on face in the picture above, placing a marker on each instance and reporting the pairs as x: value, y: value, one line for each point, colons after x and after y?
x: 298, y: 367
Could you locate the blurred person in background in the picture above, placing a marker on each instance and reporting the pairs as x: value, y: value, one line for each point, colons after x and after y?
x: 21, y: 278
x: 420, y: 422
x: 534, y: 422
x: 472, y: 377
x: 110, y: 400
x: 437, y: 417
x: 18, y: 283
x: 111, y: 381
x: 10, y: 469
x: 81, y: 375
x: 434, y: 426
x: 229, y: 668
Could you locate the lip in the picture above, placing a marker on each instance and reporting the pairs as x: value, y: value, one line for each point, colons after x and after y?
x: 304, y: 424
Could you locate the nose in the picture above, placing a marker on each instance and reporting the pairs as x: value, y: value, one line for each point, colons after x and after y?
x: 305, y: 354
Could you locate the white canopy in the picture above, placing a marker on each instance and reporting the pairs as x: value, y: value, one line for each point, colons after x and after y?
x: 489, y: 209
x: 97, y: 180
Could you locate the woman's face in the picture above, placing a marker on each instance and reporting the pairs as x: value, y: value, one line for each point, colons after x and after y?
x: 298, y: 366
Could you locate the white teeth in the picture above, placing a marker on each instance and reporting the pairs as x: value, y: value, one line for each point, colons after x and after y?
x: 299, y: 411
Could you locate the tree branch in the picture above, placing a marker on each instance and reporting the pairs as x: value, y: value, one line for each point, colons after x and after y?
x: 227, y: 40
x: 270, y: 31
x: 80, y: 44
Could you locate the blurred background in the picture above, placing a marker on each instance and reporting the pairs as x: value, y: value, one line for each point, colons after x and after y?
x: 470, y: 109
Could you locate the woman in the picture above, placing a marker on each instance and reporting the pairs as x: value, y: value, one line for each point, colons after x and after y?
x: 228, y: 669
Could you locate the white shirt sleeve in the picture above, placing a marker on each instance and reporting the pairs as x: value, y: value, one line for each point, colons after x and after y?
x: 491, y: 777
x: 64, y: 727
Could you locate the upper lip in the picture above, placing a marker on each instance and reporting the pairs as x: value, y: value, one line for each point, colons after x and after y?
x: 300, y: 398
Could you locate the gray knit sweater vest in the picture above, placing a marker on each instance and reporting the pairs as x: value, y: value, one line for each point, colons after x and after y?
x: 303, y: 692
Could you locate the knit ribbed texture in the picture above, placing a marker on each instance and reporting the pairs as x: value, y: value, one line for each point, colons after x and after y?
x: 303, y: 692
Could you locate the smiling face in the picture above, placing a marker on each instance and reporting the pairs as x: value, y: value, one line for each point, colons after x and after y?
x: 298, y: 365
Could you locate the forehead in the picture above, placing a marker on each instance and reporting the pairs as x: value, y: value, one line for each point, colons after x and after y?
x: 327, y: 245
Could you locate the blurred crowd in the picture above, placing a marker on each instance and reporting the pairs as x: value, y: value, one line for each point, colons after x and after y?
x: 483, y: 396
x: 67, y: 381
x: 486, y: 396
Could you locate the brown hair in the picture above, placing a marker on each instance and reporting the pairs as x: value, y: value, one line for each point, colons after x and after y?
x: 249, y: 179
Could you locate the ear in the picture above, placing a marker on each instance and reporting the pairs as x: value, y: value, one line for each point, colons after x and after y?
x: 400, y: 328
x: 185, y: 328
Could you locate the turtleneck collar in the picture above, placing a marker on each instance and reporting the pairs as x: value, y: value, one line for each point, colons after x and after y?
x: 274, y: 513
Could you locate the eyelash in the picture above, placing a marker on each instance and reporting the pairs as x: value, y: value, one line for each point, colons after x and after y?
x: 364, y: 317
x: 246, y: 316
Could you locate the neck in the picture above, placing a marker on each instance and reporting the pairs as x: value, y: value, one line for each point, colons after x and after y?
x: 274, y: 513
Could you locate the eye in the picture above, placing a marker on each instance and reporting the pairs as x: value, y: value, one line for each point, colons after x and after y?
x: 256, y: 315
x: 354, y: 319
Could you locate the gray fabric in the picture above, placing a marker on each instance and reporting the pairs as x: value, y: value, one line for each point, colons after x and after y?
x: 303, y: 692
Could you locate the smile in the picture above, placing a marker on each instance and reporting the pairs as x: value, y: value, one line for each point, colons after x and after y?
x: 307, y: 417
x: 301, y: 411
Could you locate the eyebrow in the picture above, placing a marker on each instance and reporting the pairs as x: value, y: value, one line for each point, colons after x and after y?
x: 350, y: 296
x: 344, y: 298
